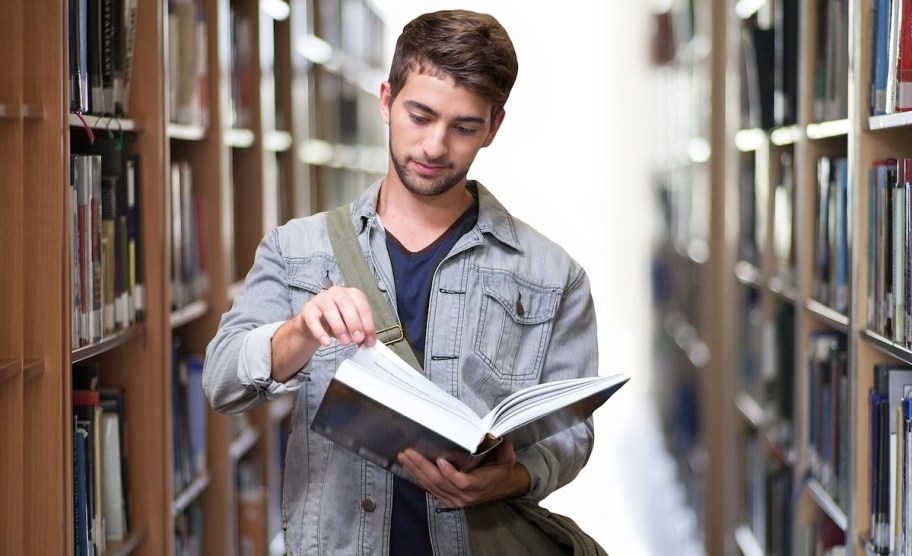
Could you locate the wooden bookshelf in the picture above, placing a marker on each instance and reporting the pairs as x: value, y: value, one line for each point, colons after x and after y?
x: 249, y: 176
x: 694, y: 351
x: 792, y: 301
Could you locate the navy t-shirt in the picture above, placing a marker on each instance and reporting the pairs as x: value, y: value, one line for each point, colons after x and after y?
x: 413, y: 273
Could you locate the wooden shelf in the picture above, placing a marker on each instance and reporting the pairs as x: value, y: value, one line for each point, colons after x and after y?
x: 108, y: 123
x: 747, y: 542
x: 748, y: 274
x: 186, y: 132
x: 190, y: 494
x: 115, y: 340
x: 129, y: 544
x: 240, y: 138
x: 825, y: 502
x: 189, y: 313
x: 828, y: 316
x: 242, y: 445
x: 889, y: 347
x: 9, y: 368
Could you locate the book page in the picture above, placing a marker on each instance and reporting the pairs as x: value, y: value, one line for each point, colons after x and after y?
x: 535, y: 402
x: 380, y: 374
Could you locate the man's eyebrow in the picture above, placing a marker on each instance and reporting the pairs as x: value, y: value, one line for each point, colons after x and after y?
x: 427, y: 109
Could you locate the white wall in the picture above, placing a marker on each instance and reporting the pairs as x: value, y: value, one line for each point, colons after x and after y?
x: 571, y: 159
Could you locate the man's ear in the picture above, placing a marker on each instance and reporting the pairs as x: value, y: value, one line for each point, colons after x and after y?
x: 386, y: 100
x: 495, y: 125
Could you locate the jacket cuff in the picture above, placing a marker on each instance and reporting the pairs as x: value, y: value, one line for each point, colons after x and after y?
x: 542, y: 481
x: 255, y: 364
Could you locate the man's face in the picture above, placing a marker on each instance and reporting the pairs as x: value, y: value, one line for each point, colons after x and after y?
x: 436, y: 129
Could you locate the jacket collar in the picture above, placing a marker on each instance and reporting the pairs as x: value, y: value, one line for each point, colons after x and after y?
x: 493, y: 217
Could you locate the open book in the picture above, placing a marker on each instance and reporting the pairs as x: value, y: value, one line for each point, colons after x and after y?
x: 376, y: 405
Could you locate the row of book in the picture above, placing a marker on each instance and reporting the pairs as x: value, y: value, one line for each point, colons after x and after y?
x: 891, y: 58
x: 243, y: 62
x: 187, y: 238
x: 101, y: 39
x: 889, y: 293
x: 766, y: 361
x: 753, y: 223
x: 828, y: 402
x: 189, y: 410
x: 831, y: 245
x: 188, y: 65
x: 767, y: 498
x: 106, y: 247
x: 890, y: 404
x: 831, y: 61
x: 769, y: 69
x: 101, y: 493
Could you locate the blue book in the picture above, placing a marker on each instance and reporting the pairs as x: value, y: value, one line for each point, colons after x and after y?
x: 80, y: 499
x: 878, y: 98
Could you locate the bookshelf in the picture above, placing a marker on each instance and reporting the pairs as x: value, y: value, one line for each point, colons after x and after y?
x: 805, y: 271
x: 196, y: 167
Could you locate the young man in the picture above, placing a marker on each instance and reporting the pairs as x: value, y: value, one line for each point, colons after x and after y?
x: 489, y: 305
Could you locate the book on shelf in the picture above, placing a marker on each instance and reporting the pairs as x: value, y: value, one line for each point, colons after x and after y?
x: 78, y: 56
x: 80, y: 490
x: 879, y: 54
x: 187, y: 64
x: 376, y: 405
x: 889, y: 309
x: 783, y: 219
x: 892, y: 384
x: 785, y: 96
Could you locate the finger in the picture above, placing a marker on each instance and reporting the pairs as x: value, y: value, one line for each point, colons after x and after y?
x: 324, y: 320
x: 428, y: 476
x: 358, y: 316
x: 312, y: 323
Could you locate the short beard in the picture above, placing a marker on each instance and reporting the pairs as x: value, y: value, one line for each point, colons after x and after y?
x: 434, y: 188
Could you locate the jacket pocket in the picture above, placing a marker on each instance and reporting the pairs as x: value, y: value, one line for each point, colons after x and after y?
x: 305, y: 278
x: 514, y: 326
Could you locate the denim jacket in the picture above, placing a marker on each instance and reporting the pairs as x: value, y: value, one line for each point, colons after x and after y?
x: 508, y: 309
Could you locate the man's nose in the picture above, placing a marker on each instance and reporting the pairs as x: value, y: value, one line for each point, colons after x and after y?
x: 435, y: 143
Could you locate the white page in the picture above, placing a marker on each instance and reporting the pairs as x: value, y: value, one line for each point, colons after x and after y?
x: 380, y: 374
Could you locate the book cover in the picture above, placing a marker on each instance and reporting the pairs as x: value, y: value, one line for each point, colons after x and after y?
x: 377, y: 406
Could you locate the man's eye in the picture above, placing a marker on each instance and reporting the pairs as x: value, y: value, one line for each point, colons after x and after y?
x: 418, y: 119
x: 465, y: 130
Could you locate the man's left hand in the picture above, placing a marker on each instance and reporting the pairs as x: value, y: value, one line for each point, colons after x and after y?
x: 498, y: 479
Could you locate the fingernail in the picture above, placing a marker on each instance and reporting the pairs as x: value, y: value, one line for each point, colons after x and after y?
x: 358, y: 336
x: 324, y: 340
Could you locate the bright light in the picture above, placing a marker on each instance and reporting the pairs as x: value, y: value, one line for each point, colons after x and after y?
x: 276, y: 9
x: 315, y: 49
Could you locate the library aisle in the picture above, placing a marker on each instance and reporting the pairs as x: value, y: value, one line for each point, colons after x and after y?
x: 628, y: 497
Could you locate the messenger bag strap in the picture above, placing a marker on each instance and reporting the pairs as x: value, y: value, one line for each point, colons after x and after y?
x: 356, y: 273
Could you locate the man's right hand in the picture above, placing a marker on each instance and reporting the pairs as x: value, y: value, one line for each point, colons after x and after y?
x: 338, y: 312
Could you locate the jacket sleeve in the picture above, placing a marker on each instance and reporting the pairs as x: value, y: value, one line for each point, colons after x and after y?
x: 573, y: 352
x: 236, y: 375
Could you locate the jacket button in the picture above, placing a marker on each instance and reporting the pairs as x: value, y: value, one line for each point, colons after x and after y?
x: 368, y: 504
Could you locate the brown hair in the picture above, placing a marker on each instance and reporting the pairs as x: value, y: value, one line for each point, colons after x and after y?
x: 472, y: 48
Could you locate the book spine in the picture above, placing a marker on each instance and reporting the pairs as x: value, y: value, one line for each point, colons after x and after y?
x: 78, y: 60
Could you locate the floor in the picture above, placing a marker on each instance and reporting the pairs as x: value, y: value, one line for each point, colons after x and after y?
x: 628, y: 497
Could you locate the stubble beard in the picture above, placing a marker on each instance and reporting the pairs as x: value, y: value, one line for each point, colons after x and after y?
x: 425, y: 186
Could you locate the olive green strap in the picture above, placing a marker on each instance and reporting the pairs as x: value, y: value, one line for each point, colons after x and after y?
x: 356, y: 273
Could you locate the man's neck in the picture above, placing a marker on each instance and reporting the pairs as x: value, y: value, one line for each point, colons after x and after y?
x: 416, y: 220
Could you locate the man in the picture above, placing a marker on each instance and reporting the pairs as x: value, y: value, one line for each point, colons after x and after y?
x: 488, y: 304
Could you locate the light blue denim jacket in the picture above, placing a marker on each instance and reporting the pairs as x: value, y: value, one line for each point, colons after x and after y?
x: 479, y: 348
